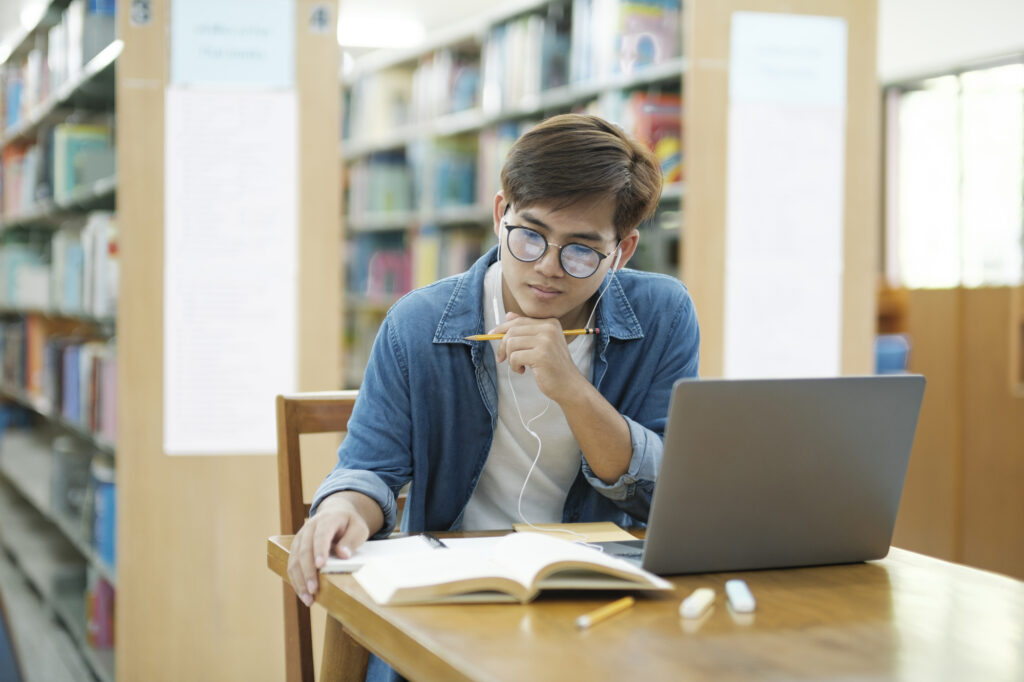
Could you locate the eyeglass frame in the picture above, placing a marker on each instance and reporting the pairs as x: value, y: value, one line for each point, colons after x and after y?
x: 547, y: 243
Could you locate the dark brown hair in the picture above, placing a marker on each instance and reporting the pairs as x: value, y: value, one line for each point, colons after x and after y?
x: 578, y: 157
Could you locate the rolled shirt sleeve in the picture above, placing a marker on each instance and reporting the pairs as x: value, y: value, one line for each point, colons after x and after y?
x: 643, y: 465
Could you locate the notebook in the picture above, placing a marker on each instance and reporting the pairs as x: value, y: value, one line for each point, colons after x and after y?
x: 771, y: 473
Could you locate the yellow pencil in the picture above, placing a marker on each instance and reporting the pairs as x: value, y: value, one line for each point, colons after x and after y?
x: 567, y: 332
x: 604, y: 613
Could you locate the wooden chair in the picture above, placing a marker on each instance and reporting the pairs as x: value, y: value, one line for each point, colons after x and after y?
x: 297, y: 414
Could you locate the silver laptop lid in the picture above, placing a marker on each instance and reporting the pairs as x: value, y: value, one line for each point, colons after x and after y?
x: 769, y: 473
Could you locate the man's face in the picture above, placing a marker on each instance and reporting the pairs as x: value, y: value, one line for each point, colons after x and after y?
x: 542, y: 288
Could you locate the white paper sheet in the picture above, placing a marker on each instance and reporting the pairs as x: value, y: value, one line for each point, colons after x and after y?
x: 784, y: 212
x: 230, y: 268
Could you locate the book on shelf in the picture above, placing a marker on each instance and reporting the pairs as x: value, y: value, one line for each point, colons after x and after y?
x: 612, y: 37
x: 14, y: 88
x: 379, y: 265
x: 99, y: 611
x: 426, y: 255
x: 494, y: 145
x: 12, y: 178
x: 84, y: 266
x: 97, y: 19
x: 82, y: 153
x: 453, y: 171
x: 69, y: 477
x: 57, y: 54
x: 12, y: 352
x: 23, y: 275
x: 67, y: 268
x: 444, y: 82
x: 36, y: 331
x: 104, y: 509
x: 460, y: 247
x: 652, y: 117
x: 25, y: 176
x: 524, y: 56
x: 71, y: 376
x: 379, y: 183
x: 515, y: 567
x: 656, y: 119
x: 648, y: 33
x: 100, y: 265
x: 380, y: 104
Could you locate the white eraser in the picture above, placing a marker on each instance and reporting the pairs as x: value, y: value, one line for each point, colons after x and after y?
x: 697, y: 603
x: 740, y: 598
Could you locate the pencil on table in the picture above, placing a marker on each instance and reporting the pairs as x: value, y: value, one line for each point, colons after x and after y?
x: 604, y: 613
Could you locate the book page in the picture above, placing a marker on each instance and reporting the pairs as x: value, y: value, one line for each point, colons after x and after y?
x: 440, y: 575
x: 391, y: 548
x: 527, y: 555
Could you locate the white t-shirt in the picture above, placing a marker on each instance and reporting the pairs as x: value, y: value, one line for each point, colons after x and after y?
x: 494, y: 503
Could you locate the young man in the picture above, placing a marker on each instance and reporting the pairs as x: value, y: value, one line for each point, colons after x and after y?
x: 538, y: 426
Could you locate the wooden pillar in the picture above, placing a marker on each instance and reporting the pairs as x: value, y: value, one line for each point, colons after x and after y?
x: 195, y: 600
x: 707, y: 98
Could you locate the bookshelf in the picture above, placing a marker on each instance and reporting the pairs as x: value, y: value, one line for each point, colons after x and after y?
x: 425, y: 133
x: 58, y: 266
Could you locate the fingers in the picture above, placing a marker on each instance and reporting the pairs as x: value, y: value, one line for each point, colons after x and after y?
x: 302, y: 572
x: 324, y: 535
x: 527, y: 331
x: 355, y: 534
x: 527, y: 346
x: 340, y: 530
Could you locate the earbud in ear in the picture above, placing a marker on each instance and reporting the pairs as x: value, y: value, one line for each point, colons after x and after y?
x: 618, y: 255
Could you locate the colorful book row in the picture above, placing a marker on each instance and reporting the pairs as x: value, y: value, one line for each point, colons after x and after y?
x: 562, y: 43
x: 465, y: 170
x: 74, y: 271
x: 62, y: 372
x: 58, y: 51
x: 61, y: 161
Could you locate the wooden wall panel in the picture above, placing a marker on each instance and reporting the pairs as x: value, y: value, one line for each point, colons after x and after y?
x: 195, y: 600
x: 706, y: 85
x: 993, y: 463
x: 929, y: 514
x: 962, y: 498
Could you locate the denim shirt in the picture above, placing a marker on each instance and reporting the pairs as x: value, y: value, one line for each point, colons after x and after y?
x: 427, y: 408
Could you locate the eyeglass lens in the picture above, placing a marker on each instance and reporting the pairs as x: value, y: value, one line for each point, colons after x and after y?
x: 529, y: 246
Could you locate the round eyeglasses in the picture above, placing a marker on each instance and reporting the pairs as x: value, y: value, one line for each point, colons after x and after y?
x: 529, y: 246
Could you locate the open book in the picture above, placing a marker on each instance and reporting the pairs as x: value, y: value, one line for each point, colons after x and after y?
x: 515, y: 567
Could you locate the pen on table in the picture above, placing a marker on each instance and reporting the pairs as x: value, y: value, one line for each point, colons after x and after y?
x: 434, y: 541
x: 567, y: 332
x: 604, y: 613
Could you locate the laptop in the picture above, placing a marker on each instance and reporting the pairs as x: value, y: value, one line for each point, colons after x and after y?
x: 772, y: 473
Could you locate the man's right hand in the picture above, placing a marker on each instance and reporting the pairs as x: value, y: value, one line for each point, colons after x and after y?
x: 342, y: 522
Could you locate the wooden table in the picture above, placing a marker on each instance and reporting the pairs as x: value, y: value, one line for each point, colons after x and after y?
x: 906, y: 617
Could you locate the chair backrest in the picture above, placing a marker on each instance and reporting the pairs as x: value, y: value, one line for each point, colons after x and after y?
x: 298, y: 414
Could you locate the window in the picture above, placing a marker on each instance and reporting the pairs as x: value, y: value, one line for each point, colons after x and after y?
x: 955, y: 164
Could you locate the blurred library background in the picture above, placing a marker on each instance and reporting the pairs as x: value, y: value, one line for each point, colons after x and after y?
x: 398, y: 161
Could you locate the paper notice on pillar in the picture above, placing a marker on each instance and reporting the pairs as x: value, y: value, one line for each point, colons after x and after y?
x: 233, y: 43
x: 784, y: 196
x: 230, y: 268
